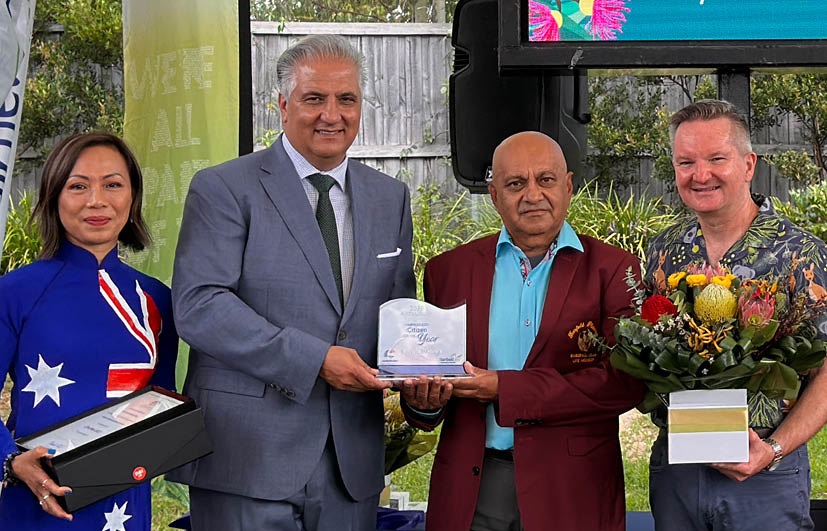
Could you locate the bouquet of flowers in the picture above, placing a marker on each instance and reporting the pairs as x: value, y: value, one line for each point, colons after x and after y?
x: 703, y: 328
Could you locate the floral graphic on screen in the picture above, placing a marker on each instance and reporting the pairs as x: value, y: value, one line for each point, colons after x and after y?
x: 554, y: 20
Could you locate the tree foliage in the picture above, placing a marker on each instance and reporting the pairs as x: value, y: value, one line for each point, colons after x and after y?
x: 352, y: 10
x: 628, y: 123
x: 74, y: 72
x: 803, y: 95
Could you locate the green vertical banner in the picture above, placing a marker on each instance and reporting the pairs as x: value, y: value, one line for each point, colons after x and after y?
x: 181, y: 80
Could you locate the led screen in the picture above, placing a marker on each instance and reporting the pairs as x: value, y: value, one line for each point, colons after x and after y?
x: 676, y: 20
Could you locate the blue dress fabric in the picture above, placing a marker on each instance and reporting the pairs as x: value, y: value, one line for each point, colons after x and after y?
x: 74, y: 335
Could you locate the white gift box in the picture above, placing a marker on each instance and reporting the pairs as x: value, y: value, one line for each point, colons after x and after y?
x: 708, y: 426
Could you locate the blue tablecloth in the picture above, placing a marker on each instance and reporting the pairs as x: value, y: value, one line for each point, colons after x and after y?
x: 386, y: 520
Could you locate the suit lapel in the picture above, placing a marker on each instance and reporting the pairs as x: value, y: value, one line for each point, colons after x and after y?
x: 282, y: 185
x: 559, y: 285
x: 363, y: 225
x: 479, y: 305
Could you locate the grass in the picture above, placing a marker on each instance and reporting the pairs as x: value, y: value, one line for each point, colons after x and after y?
x: 414, y: 477
x: 818, y: 463
x: 169, y: 502
x: 637, y: 434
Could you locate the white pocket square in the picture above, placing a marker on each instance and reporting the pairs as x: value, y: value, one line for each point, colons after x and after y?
x: 397, y: 252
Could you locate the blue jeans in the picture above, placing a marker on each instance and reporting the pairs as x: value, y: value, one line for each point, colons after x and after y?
x: 699, y: 498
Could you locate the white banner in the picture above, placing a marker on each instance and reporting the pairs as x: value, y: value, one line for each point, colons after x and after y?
x: 16, y: 19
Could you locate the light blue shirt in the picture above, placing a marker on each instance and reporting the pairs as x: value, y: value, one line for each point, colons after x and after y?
x: 517, y: 299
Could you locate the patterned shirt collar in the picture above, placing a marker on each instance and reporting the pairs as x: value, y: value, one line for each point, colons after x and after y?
x: 766, y: 211
x: 305, y: 169
x: 566, y: 238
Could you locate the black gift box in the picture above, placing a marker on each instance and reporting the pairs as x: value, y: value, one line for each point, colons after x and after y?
x: 131, y: 455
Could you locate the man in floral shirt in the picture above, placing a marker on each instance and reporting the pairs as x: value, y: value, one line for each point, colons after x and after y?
x: 714, y: 165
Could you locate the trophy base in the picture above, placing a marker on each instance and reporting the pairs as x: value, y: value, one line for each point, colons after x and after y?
x: 397, y: 373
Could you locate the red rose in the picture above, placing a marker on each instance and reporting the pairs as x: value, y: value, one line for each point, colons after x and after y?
x: 655, y: 306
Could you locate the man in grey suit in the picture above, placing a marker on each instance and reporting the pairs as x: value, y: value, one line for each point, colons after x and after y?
x: 283, y: 260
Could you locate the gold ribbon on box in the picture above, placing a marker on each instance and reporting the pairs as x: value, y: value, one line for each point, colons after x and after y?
x: 708, y: 420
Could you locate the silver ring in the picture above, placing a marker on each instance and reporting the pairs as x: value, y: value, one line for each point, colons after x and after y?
x: 43, y: 483
x: 45, y: 496
x: 40, y: 502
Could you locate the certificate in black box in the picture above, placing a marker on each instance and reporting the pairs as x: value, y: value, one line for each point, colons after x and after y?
x: 121, y: 444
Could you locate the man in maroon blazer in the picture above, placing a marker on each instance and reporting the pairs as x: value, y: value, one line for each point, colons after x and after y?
x: 530, y: 440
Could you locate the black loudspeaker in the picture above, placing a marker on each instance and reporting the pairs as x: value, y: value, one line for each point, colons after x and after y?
x: 486, y: 107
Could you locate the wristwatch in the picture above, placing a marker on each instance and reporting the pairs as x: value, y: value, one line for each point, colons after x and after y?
x: 779, y: 454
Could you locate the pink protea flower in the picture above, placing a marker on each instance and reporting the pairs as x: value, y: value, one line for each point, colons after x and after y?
x: 544, y: 25
x: 608, y: 17
x: 755, y: 308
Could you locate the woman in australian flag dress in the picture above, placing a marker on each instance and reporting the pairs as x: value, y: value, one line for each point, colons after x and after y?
x: 79, y: 328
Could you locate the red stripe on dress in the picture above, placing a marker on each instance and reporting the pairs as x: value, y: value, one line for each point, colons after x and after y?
x: 110, y: 295
x: 128, y: 379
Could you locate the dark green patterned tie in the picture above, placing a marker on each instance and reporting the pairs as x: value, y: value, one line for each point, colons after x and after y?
x: 327, y: 224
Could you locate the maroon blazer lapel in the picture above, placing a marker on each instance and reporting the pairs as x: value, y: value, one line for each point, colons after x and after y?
x: 479, y: 303
x: 559, y: 285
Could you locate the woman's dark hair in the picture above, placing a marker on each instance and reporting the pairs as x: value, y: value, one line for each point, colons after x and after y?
x: 56, y: 172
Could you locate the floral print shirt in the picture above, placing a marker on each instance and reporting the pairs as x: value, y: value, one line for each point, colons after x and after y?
x: 771, y: 248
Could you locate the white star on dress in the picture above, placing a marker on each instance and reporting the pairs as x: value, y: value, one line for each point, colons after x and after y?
x: 46, y: 381
x: 116, y: 519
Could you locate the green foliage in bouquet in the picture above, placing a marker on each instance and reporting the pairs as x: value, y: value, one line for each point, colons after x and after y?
x: 403, y: 443
x: 706, y: 329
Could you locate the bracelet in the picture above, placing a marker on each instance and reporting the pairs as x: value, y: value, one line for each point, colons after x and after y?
x: 779, y: 454
x: 8, y: 475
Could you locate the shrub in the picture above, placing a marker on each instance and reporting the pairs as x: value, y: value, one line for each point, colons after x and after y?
x: 625, y: 223
x: 21, y: 244
x: 442, y: 222
x: 807, y: 208
x: 796, y: 165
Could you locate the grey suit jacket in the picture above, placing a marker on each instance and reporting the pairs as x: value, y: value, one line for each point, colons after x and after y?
x: 254, y: 297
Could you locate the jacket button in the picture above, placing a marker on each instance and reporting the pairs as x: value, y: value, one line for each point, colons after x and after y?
x: 342, y: 335
x: 476, y: 471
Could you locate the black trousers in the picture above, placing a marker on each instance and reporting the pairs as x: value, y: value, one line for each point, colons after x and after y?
x: 497, y: 508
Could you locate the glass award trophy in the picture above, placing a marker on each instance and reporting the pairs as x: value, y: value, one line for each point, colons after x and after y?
x: 417, y: 338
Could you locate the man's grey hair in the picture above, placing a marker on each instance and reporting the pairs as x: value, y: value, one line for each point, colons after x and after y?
x: 710, y: 110
x: 312, y: 48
